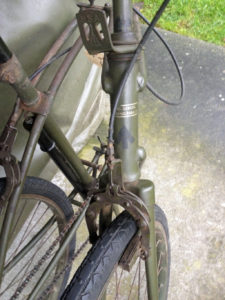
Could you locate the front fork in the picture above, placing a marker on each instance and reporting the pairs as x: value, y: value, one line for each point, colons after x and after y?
x: 126, y: 125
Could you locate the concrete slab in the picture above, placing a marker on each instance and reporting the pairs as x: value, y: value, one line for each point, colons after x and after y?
x: 186, y: 161
x: 203, y: 67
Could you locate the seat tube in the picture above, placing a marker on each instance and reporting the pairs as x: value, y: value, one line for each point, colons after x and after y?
x: 126, y: 120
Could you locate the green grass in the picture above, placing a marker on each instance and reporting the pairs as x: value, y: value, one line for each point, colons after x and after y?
x: 201, y: 19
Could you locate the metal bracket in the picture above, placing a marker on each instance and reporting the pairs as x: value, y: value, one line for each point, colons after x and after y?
x: 95, y: 34
x: 130, y: 202
x: 8, y: 162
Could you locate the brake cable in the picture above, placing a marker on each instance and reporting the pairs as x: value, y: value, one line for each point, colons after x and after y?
x: 149, y: 87
x: 49, y: 62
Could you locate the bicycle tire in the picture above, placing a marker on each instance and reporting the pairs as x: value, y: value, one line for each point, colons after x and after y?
x: 163, y: 248
x: 91, y: 279
x: 39, y: 202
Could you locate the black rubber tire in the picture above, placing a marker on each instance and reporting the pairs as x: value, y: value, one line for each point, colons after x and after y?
x: 51, y: 196
x: 162, y: 232
x: 94, y: 272
x: 96, y: 268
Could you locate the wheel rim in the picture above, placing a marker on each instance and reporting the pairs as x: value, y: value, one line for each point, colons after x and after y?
x: 42, y: 210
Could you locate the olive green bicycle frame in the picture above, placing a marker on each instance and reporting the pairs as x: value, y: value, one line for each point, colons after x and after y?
x: 126, y: 145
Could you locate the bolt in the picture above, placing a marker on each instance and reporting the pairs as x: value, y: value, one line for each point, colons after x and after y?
x: 143, y: 255
x: 140, y: 81
x: 7, y: 159
x: 98, y: 198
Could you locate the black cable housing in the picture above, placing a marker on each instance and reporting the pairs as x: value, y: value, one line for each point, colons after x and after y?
x: 148, y: 86
x: 43, y: 67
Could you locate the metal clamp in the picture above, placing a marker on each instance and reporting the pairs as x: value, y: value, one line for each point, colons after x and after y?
x: 41, y: 107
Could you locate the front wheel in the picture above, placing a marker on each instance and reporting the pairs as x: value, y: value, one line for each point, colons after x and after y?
x: 100, y: 277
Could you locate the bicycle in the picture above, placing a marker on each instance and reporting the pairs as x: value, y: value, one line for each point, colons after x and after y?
x: 123, y: 241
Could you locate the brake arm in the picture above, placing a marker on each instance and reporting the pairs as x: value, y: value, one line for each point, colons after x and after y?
x: 130, y: 202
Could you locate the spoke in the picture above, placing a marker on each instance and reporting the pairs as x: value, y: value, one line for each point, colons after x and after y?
x: 143, y: 279
x: 16, y: 223
x: 159, y: 260
x: 118, y: 286
x: 158, y: 242
x: 131, y: 287
x: 161, y: 250
x: 139, y: 280
x: 159, y: 270
x: 36, y: 222
x: 30, y: 261
x: 13, y: 281
x: 27, y: 247
x: 24, y: 234
x: 30, y: 245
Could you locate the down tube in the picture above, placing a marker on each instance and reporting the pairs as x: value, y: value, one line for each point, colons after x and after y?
x: 70, y: 155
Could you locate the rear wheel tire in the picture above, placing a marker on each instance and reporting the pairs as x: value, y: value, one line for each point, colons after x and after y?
x: 100, y: 277
x: 40, y: 202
